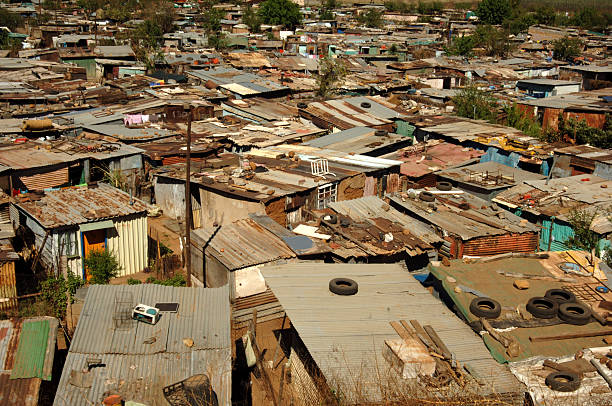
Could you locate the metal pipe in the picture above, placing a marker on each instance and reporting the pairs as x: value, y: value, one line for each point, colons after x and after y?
x: 601, y: 371
x: 188, y: 196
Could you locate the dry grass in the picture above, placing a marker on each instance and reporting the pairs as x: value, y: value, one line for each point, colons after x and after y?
x: 376, y: 383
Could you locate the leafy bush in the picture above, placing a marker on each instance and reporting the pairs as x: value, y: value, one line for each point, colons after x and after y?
x: 177, y: 281
x: 56, y: 291
x: 474, y: 103
x: 582, y: 133
x: 331, y: 73
x: 461, y: 46
x: 132, y: 281
x: 521, y: 121
x: 371, y: 18
x: 567, y: 48
x: 102, y: 266
x: 280, y: 12
x: 493, y: 11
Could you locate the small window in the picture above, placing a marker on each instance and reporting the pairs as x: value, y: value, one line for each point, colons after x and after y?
x: 326, y: 194
x: 70, y: 246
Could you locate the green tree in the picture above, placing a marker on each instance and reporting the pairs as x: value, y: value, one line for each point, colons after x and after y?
x: 90, y: 5
x: 10, y: 20
x: 148, y: 34
x: 584, y: 238
x: 433, y: 7
x: 493, y: 11
x: 102, y: 266
x: 581, y: 133
x: 462, y: 46
x: 590, y: 19
x: 251, y: 19
x: 494, y: 41
x: 161, y: 12
x: 331, y: 74
x: 545, y: 15
x: 522, y: 121
x: 331, y: 4
x: 520, y: 22
x: 210, y: 20
x: 280, y: 12
x: 474, y: 103
x: 326, y: 14
x: 371, y: 18
x: 567, y: 48
x: 58, y: 291
x: 8, y: 43
x: 399, y: 6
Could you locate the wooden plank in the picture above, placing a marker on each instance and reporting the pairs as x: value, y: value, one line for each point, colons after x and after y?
x: 571, y: 336
x: 421, y: 333
x: 438, y: 342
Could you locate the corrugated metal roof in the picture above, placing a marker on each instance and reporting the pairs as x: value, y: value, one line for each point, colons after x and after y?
x: 31, y: 351
x: 79, y: 205
x: 139, y: 371
x: 376, y: 109
x: 370, y: 207
x: 345, y: 334
x: 245, y: 243
x: 359, y: 140
x: 463, y: 223
x: 119, y: 131
x: 24, y: 391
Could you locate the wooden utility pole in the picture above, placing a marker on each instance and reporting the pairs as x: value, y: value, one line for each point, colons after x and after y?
x: 187, y: 107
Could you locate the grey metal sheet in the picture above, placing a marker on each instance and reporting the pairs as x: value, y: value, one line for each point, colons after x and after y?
x: 345, y: 334
x: 139, y: 371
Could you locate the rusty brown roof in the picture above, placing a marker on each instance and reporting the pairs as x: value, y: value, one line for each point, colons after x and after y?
x: 244, y: 243
x: 22, y: 391
x: 78, y: 205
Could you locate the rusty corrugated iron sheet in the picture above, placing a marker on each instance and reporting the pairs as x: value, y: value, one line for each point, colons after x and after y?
x: 22, y: 391
x: 501, y: 244
x: 79, y: 205
x: 245, y: 243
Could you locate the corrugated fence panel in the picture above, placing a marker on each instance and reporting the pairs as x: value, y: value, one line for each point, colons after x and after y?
x: 8, y: 285
x: 129, y: 244
x: 501, y: 244
x: 41, y: 181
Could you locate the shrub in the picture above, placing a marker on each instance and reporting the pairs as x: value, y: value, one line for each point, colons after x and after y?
x: 132, y: 281
x: 102, y: 266
x: 177, y: 281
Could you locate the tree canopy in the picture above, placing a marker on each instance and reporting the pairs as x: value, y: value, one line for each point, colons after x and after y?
x: 474, y: 103
x: 280, y: 12
x: 331, y: 73
x: 567, y: 48
x: 371, y: 18
x: 493, y: 11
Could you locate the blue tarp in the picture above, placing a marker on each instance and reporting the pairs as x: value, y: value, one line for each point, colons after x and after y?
x: 493, y: 154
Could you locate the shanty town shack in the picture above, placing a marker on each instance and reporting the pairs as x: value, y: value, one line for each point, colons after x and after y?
x: 66, y: 225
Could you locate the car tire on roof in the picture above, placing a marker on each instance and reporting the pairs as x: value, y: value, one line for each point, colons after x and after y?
x: 302, y: 105
x: 444, y: 185
x: 343, y: 286
x: 575, y: 313
x: 542, y: 307
x: 485, y: 307
x: 366, y: 105
x: 560, y: 296
x: 564, y: 381
x: 427, y: 196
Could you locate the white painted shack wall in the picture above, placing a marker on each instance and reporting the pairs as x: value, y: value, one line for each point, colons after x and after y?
x: 129, y: 243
